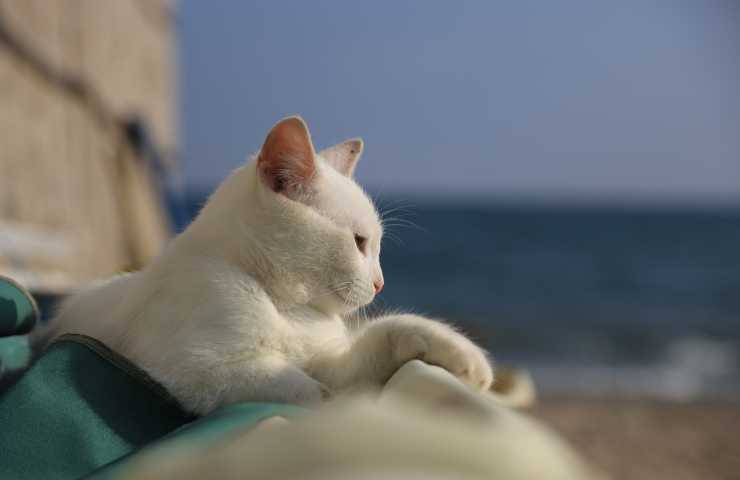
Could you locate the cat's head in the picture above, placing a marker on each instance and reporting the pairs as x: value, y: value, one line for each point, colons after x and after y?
x: 323, y: 231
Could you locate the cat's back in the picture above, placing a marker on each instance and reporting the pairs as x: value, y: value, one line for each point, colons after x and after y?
x: 89, y: 311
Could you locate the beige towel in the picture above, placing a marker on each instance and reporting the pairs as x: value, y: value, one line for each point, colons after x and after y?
x: 425, y: 425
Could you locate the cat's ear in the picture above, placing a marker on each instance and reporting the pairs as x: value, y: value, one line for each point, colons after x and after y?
x: 287, y: 160
x: 344, y: 156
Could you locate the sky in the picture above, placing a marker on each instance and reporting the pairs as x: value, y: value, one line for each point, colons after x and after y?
x: 586, y: 100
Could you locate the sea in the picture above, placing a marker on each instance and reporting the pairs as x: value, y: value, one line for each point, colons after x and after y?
x: 602, y: 300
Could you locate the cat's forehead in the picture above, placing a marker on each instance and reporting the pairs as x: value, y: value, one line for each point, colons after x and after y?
x: 346, y: 204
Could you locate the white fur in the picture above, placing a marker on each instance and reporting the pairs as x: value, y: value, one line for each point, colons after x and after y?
x: 248, y: 302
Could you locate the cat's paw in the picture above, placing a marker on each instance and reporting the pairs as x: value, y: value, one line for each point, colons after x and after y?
x: 413, y: 337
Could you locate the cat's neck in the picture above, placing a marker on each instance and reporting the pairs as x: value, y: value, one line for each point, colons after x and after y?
x: 235, y: 227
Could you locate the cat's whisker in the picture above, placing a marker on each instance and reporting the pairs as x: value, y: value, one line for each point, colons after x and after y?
x: 386, y: 206
x: 395, y: 238
x: 397, y: 211
x: 336, y: 289
x: 403, y: 222
x: 396, y: 214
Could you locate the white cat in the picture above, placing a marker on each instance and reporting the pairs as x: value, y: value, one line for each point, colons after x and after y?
x: 248, y: 302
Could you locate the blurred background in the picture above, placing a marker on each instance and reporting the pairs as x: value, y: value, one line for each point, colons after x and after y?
x: 563, y: 178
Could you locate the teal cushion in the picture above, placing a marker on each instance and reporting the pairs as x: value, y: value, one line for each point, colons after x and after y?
x: 77, y: 408
x: 15, y: 356
x: 201, y: 433
x: 18, y: 311
x: 81, y: 407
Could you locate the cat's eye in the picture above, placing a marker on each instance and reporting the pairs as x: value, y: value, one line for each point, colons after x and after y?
x: 361, y: 242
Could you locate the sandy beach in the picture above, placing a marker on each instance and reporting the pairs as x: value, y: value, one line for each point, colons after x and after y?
x: 640, y: 439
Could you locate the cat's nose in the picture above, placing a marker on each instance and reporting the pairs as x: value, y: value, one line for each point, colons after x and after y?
x: 378, y: 286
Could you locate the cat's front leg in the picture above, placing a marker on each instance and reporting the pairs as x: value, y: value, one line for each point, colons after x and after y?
x: 265, y: 379
x: 385, y: 344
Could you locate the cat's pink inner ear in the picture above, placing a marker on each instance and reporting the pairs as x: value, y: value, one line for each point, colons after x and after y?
x: 287, y: 159
x: 343, y: 157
